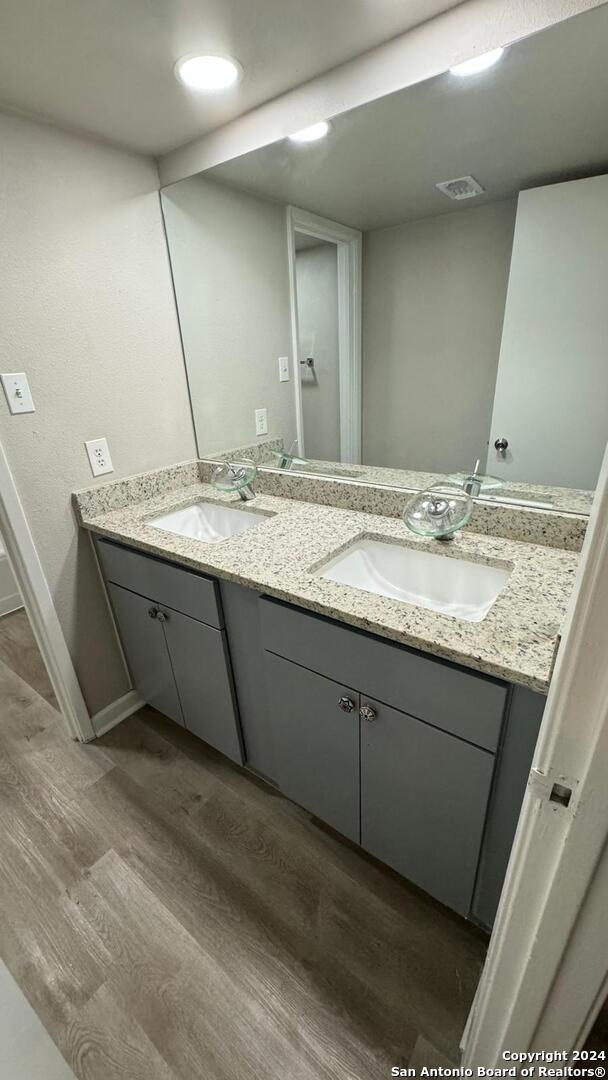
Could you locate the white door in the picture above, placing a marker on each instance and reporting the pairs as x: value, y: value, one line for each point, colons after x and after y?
x: 551, y: 401
x: 546, y: 973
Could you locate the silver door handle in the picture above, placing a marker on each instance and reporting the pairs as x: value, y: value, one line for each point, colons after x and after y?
x: 346, y: 704
x: 162, y: 616
x: 367, y: 713
x: 501, y: 445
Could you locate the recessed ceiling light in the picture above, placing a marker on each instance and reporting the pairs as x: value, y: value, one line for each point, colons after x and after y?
x: 208, y: 73
x: 312, y: 133
x: 477, y: 64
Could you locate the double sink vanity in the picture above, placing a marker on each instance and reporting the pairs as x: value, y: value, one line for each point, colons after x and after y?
x: 391, y: 685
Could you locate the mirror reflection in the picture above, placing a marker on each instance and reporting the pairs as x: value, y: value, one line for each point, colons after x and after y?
x: 420, y: 293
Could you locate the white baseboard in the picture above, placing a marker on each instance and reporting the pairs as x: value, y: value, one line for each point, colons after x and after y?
x: 114, y: 713
x: 8, y: 604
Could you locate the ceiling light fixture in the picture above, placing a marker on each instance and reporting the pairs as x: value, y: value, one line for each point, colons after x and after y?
x: 208, y: 73
x: 312, y: 133
x: 477, y: 64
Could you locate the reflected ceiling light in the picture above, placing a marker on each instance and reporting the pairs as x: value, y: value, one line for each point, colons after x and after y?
x: 208, y: 73
x: 477, y: 64
x: 312, y: 133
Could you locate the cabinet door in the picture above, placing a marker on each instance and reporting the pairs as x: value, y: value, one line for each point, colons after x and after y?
x: 204, y: 681
x: 146, y: 652
x: 423, y: 802
x: 316, y: 743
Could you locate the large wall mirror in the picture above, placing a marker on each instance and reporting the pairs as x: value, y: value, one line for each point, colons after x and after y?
x: 422, y: 289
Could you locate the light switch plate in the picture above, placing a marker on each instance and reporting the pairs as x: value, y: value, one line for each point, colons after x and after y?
x: 18, y: 393
x: 99, y: 456
x: 283, y: 369
x: 261, y: 421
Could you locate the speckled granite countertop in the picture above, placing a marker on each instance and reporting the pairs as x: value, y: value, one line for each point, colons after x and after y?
x: 516, y: 641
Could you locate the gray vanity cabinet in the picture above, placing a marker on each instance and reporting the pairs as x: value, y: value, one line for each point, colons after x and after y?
x: 424, y: 795
x: 171, y: 627
x: 316, y: 723
x: 145, y: 648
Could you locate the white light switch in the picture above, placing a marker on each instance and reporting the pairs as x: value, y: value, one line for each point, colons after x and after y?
x: 261, y: 421
x: 18, y: 394
x: 99, y: 456
x: 283, y: 369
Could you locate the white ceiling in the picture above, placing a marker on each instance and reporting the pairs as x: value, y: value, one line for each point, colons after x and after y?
x: 106, y: 66
x: 540, y: 115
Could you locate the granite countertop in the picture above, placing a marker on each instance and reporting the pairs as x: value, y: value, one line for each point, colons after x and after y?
x: 516, y: 641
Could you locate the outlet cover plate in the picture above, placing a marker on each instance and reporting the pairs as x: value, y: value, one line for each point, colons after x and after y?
x: 99, y: 456
x: 261, y: 421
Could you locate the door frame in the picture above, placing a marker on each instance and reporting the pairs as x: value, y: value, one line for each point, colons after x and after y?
x: 38, y: 602
x: 546, y: 973
x: 349, y: 248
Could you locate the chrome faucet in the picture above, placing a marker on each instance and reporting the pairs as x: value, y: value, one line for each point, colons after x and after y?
x: 439, y: 512
x: 232, y: 477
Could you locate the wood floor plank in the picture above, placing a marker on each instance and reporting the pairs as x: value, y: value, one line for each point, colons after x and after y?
x: 157, y: 764
x: 18, y: 649
x: 169, y: 916
x: 180, y: 995
x: 273, y: 956
x: 105, y: 1043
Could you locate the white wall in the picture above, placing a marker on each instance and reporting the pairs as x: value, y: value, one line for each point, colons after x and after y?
x: 229, y: 259
x: 434, y: 296
x: 471, y: 28
x: 317, y: 288
x: 86, y: 310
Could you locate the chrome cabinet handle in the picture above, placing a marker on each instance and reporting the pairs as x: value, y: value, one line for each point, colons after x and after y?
x: 153, y: 612
x: 367, y: 713
x: 346, y: 704
x: 162, y: 616
x: 501, y: 445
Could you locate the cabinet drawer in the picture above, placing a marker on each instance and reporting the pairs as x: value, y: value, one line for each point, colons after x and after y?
x: 470, y: 706
x: 180, y: 589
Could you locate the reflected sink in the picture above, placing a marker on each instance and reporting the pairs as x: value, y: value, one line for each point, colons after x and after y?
x: 465, y: 590
x: 208, y: 521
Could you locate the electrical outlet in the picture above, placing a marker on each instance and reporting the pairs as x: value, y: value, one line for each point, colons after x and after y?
x: 17, y: 390
x: 261, y: 421
x: 283, y: 369
x: 99, y: 456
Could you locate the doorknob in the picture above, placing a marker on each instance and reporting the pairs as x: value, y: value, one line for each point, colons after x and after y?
x: 153, y: 612
x: 367, y: 713
x: 162, y: 616
x: 346, y: 704
x: 501, y: 445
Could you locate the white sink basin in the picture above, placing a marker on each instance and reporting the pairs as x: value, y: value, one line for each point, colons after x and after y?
x: 208, y: 521
x: 455, y: 587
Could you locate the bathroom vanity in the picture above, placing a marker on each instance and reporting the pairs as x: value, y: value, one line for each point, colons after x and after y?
x: 407, y: 731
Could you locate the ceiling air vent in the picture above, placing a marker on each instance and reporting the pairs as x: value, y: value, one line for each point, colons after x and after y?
x: 464, y: 187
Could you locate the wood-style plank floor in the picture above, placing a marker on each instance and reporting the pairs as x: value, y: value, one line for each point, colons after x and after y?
x: 19, y: 650
x: 168, y: 916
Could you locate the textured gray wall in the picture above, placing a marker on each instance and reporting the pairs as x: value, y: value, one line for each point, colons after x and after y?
x: 433, y: 306
x: 86, y: 310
